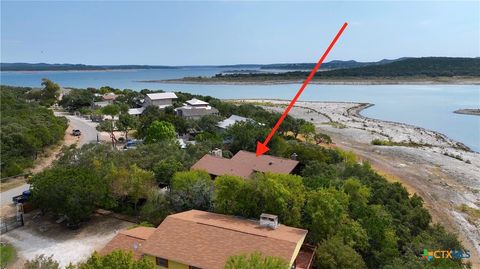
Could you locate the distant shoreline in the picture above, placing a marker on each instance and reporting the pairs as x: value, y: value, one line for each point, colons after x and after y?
x: 468, y: 111
x: 328, y: 81
x: 64, y: 71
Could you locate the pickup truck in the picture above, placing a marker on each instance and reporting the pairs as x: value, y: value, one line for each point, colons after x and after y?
x: 22, y: 198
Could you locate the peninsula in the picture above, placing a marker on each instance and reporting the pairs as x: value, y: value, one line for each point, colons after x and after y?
x: 468, y: 111
x: 426, y: 70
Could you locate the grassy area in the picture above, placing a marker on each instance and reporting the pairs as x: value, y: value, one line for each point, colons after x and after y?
x: 473, y: 213
x: 7, y: 254
x: 380, y: 142
x: 257, y: 103
x: 337, y: 125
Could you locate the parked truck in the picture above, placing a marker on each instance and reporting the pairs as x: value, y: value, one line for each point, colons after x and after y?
x: 22, y: 198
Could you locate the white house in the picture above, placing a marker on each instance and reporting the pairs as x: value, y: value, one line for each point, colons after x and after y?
x: 224, y: 124
x: 162, y: 100
x: 195, y: 109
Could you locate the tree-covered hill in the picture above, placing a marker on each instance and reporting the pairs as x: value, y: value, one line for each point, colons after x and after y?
x: 428, y: 66
x: 70, y: 67
x: 408, y: 68
x: 335, y: 64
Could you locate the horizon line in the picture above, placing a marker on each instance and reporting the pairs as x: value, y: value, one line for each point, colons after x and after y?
x: 213, y: 65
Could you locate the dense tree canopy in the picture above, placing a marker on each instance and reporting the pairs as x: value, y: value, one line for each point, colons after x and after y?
x: 26, y: 129
x: 191, y: 190
x: 73, y: 192
x: 278, y: 194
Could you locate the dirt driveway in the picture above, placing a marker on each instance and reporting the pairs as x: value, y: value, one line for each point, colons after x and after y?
x: 66, y: 246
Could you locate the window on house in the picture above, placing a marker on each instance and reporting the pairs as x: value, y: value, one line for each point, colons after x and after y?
x: 162, y: 262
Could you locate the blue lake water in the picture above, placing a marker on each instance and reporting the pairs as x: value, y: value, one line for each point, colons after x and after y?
x: 428, y: 106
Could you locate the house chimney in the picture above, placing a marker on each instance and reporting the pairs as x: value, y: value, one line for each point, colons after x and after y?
x: 216, y: 153
x: 269, y: 221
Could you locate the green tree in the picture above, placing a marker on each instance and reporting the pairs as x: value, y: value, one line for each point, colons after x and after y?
x: 117, y: 259
x: 109, y: 127
x: 255, y: 261
x: 209, y: 123
x: 332, y: 253
x: 307, y: 129
x: 229, y: 196
x: 244, y: 136
x: 282, y: 195
x: 42, y: 262
x: 132, y: 183
x: 159, y: 131
x: 382, y: 238
x: 73, y: 192
x: 77, y: 99
x: 50, y: 92
x: 191, y: 190
x: 278, y: 194
x: 156, y: 208
x: 325, y: 211
x: 149, y: 115
x: 111, y: 110
x: 322, y: 138
x: 359, y: 196
x: 126, y: 122
x: 318, y: 175
x: 165, y: 169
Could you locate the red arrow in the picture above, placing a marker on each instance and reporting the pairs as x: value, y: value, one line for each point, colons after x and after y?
x: 262, y: 147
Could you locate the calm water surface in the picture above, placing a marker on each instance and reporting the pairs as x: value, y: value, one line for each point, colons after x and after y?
x: 428, y: 106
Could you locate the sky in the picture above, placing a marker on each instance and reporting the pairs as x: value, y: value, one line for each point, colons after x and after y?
x: 213, y: 33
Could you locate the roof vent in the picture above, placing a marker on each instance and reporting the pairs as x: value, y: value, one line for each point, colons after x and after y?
x: 268, y: 220
x: 270, y: 163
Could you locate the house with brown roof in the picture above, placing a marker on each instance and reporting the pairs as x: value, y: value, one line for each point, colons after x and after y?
x: 129, y: 240
x: 244, y: 164
x: 205, y: 240
x: 110, y: 97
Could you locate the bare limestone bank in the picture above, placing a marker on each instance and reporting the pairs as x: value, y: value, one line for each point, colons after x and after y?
x: 444, y: 172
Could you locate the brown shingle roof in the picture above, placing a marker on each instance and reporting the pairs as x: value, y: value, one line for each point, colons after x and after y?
x: 265, y: 163
x: 128, y: 240
x: 206, y: 240
x: 139, y: 232
x: 221, y: 166
x: 244, y: 163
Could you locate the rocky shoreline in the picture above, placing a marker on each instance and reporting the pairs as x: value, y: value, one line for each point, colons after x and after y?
x: 442, y: 171
x: 326, y: 81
